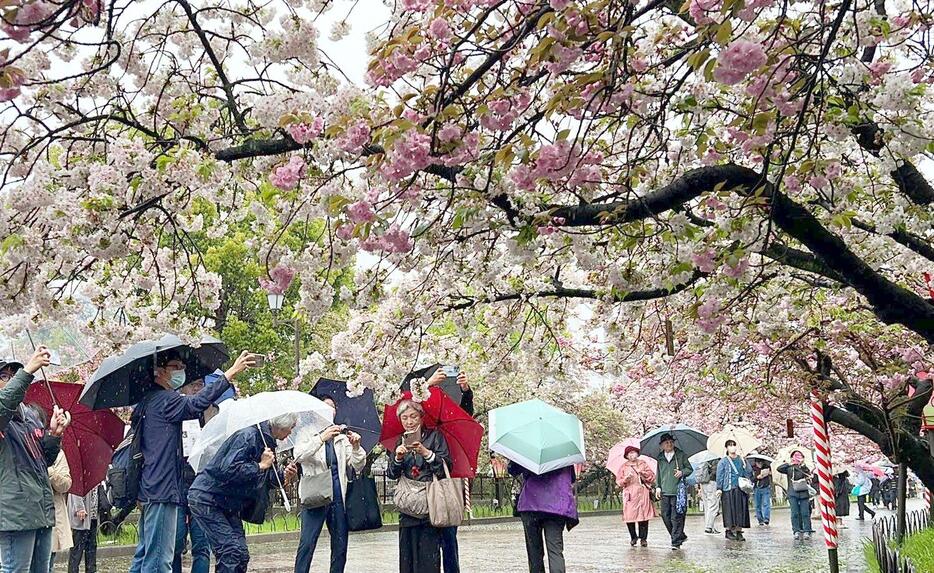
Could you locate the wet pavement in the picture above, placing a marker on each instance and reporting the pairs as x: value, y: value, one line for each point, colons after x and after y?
x: 598, y: 544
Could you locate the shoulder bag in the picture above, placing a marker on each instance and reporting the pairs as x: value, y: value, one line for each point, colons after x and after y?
x: 446, y: 500
x: 411, y: 497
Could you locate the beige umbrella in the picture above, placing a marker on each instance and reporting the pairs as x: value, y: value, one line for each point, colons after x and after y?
x: 745, y: 441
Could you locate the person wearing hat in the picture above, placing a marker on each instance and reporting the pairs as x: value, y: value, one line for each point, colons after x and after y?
x: 673, y: 466
x: 27, y: 449
x: 636, y: 477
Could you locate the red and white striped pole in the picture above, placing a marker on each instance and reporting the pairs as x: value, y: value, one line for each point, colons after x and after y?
x: 467, y: 498
x: 826, y: 504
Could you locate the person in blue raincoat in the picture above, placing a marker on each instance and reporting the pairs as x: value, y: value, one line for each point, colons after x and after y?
x: 242, y: 465
x: 161, y: 488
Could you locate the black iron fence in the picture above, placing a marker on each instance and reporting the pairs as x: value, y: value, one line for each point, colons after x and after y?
x: 884, y: 533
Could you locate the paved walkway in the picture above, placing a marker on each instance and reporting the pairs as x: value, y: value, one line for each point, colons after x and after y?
x: 598, y: 544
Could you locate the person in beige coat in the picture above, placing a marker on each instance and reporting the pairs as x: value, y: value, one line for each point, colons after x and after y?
x: 326, y: 458
x: 60, y: 478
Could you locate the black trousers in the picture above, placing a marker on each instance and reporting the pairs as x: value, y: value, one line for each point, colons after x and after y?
x: 643, y: 533
x: 674, y: 522
x: 85, y: 547
x: 544, y: 533
x: 420, y: 549
x: 861, y: 502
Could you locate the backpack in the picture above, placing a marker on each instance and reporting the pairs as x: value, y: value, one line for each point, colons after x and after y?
x: 126, y: 465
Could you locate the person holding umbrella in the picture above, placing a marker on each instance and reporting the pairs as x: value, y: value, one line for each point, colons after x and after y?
x: 450, y: 559
x: 419, y: 455
x: 27, y: 449
x: 731, y: 471
x: 762, y: 494
x: 862, y: 485
x: 331, y: 452
x: 798, y: 494
x: 161, y: 488
x: 243, y: 464
x: 636, y: 477
x: 673, y: 467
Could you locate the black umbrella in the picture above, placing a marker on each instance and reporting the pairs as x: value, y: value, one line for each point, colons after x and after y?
x: 357, y: 413
x: 123, y: 380
x: 449, y: 386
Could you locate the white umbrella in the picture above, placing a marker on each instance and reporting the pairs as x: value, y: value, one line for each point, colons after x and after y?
x: 745, y: 441
x: 703, y: 457
x: 253, y: 411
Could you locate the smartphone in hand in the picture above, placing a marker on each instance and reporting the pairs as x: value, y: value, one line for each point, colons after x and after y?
x: 259, y: 360
x: 409, y: 439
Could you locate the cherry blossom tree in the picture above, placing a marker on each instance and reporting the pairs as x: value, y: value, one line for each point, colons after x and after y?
x: 546, y: 186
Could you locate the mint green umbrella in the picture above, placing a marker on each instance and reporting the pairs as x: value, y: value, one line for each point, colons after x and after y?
x: 537, y: 436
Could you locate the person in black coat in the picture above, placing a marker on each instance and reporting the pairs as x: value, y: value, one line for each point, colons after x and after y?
x: 229, y: 483
x: 842, y: 489
x: 418, y: 461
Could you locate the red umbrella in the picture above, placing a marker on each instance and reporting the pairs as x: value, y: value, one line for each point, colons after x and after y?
x: 462, y: 433
x: 89, y: 442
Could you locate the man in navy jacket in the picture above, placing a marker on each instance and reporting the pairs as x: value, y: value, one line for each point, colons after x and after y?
x: 243, y: 464
x: 162, y: 488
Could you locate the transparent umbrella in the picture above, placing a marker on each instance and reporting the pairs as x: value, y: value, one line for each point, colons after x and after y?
x: 253, y: 411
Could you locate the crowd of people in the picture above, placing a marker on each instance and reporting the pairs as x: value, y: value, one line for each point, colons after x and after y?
x: 206, y: 510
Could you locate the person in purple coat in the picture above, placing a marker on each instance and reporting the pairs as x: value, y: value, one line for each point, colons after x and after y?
x: 546, y: 506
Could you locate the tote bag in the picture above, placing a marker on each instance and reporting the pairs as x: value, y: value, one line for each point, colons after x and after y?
x: 362, y: 505
x: 446, y: 500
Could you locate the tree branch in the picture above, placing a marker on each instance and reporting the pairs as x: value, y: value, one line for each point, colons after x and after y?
x: 561, y: 292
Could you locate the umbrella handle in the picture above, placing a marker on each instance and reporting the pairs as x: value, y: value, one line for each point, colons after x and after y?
x: 47, y: 383
x: 285, y: 498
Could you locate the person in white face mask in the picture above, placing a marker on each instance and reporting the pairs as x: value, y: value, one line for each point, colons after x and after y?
x: 732, y: 474
x: 161, y: 488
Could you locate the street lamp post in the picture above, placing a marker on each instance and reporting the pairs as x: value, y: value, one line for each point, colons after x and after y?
x: 275, y: 305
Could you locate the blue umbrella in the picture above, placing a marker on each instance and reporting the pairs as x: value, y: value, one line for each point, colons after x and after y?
x: 357, y: 413
x: 687, y: 439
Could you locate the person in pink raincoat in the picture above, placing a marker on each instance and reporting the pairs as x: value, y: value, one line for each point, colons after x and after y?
x: 636, y: 477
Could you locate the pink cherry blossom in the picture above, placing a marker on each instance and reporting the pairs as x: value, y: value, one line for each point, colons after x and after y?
x: 303, y: 133
x: 287, y: 176
x: 818, y: 181
x: 361, y: 212
x: 738, y: 60
x: 280, y: 278
x: 449, y: 133
x: 440, y: 30
x: 737, y: 270
x: 558, y: 5
x: 879, y: 69
x: 355, y: 137
x: 409, y: 154
x: 705, y: 261
x: 700, y: 10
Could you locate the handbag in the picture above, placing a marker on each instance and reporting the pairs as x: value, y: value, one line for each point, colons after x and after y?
x: 446, y: 500
x: 316, y: 490
x: 800, y: 485
x: 681, y: 496
x: 362, y: 505
x: 411, y: 497
x: 745, y: 484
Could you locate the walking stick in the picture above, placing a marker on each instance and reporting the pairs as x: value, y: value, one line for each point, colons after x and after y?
x: 285, y: 498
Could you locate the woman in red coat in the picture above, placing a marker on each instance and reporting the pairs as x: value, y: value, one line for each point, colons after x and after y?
x: 636, y: 477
